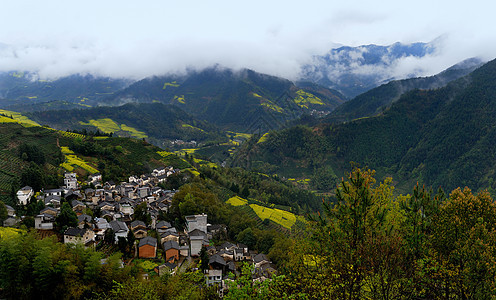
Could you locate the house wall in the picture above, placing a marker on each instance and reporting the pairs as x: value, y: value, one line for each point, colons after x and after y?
x: 171, y: 253
x: 122, y: 234
x: 147, y: 251
x: 196, y: 246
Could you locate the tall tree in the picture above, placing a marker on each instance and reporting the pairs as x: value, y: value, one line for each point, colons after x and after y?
x: 66, y: 218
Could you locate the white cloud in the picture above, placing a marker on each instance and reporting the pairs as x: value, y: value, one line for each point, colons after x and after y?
x: 136, y: 39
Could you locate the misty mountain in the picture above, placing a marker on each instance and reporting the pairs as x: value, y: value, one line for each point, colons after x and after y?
x: 355, y: 70
x: 378, y: 99
x: 443, y: 137
x: 21, y: 91
x: 243, y: 100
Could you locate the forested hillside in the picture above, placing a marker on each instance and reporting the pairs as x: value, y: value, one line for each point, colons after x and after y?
x: 439, y: 137
x: 156, y: 122
x: 243, y: 101
x: 22, y: 91
x: 377, y: 100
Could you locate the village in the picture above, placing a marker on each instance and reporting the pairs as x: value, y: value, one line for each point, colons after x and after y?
x: 172, y: 248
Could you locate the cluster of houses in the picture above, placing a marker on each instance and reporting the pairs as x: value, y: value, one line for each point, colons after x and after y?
x: 116, y: 205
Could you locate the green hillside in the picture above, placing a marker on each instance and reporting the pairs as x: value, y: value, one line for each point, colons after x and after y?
x: 243, y: 101
x: 376, y: 100
x: 438, y: 137
x: 21, y: 91
x: 157, y: 123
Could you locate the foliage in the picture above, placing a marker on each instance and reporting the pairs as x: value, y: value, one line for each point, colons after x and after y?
x: 66, y: 218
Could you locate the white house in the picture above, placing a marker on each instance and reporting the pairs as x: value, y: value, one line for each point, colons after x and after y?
x: 120, y: 229
x: 213, y: 277
x: 24, y: 194
x: 197, y: 222
x: 196, y: 241
x: 70, y: 180
x: 73, y: 235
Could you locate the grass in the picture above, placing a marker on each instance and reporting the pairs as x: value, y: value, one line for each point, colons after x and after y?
x: 19, y: 117
x: 192, y: 127
x: 205, y: 163
x: 270, y: 105
x: 304, y: 99
x: 72, y: 160
x: 9, y: 232
x: 4, y: 119
x: 133, y: 132
x: 237, y: 201
x: 281, y: 217
x: 107, y: 125
x: 179, y: 99
x: 171, y: 84
x: 66, y: 150
x: 263, y: 138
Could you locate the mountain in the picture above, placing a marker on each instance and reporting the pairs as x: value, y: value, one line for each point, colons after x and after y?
x: 244, y: 100
x: 378, y: 99
x: 22, y: 92
x: 355, y: 70
x: 443, y: 137
x: 160, y: 124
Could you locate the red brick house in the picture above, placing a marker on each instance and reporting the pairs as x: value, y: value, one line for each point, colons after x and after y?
x: 147, y: 247
x: 171, y: 249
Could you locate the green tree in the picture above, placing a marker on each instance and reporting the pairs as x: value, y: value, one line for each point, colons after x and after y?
x: 66, y: 218
x: 141, y: 213
x: 462, y: 253
x: 3, y: 212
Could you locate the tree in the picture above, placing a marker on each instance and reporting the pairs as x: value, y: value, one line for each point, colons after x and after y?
x: 360, y: 245
x: 247, y: 237
x: 141, y: 213
x: 66, y: 218
x: 3, y: 212
x: 463, y: 247
x: 204, y: 259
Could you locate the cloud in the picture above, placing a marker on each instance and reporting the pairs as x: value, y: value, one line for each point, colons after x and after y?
x: 131, y: 39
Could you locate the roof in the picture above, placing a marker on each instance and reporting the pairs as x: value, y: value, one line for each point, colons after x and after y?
x: 228, y: 245
x: 137, y: 223
x: 148, y: 241
x: 85, y: 218
x: 197, y: 232
x: 216, y: 258
x: 75, y: 231
x: 167, y: 233
x: 76, y: 202
x: 260, y: 257
x: 163, y: 224
x: 171, y: 245
x: 118, y: 226
x: 48, y: 208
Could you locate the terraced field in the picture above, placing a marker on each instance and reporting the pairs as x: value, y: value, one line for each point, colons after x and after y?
x: 237, y: 201
x: 19, y: 118
x: 260, y: 213
x: 8, y: 232
x: 107, y: 125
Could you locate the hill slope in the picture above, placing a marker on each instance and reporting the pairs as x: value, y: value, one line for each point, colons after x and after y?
x: 439, y: 137
x: 378, y: 99
x: 24, y: 92
x: 158, y: 123
x: 240, y: 101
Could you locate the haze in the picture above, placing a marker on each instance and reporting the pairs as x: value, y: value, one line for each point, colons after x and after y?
x: 138, y: 39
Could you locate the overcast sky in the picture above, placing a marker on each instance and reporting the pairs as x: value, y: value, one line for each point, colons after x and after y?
x: 140, y: 38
